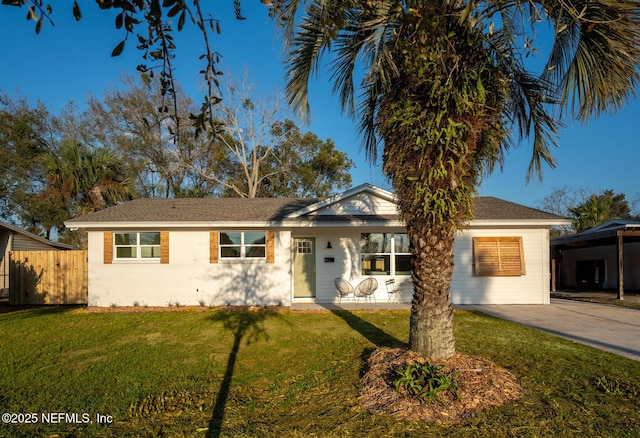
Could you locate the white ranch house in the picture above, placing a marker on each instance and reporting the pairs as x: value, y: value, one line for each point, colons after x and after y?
x: 269, y: 251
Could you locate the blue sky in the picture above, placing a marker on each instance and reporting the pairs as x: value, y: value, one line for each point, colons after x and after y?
x: 68, y: 61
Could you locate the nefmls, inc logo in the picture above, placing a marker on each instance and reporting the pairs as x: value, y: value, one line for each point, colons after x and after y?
x: 65, y: 417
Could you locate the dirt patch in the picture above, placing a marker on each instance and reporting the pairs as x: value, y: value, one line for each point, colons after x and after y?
x: 481, y: 384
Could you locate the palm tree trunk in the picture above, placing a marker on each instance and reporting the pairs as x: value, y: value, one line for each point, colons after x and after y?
x: 431, y: 328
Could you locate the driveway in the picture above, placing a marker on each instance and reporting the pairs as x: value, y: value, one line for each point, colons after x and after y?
x: 611, y: 328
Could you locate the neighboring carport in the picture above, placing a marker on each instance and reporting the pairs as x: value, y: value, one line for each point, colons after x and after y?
x: 594, y: 249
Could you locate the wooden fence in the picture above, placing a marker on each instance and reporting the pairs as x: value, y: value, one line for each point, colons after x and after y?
x: 48, y: 277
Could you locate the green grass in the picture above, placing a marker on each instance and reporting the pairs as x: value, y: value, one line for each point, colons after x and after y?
x: 281, y: 373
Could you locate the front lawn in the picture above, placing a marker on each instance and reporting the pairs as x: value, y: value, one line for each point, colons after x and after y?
x: 281, y: 373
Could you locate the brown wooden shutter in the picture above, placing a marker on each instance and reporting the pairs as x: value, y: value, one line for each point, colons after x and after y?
x: 213, y: 247
x: 498, y: 256
x: 108, y: 248
x: 271, y: 246
x: 164, y: 247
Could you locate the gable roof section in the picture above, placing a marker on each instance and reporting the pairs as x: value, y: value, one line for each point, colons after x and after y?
x: 295, y: 212
x: 327, y: 203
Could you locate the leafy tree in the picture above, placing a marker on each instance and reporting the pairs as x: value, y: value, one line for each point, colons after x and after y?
x: 264, y: 155
x: 46, y: 174
x: 132, y: 121
x: 560, y: 201
x: 308, y: 166
x: 444, y: 87
x: 23, y: 139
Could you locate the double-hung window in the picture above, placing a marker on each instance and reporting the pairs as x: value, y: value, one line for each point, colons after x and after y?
x: 243, y: 244
x: 385, y: 254
x: 137, y: 246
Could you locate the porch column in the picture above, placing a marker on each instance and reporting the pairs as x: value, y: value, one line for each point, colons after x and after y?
x: 620, y: 248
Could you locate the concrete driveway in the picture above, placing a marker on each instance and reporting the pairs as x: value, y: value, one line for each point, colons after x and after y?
x: 611, y: 328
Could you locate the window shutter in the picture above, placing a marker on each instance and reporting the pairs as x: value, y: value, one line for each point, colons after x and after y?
x: 213, y: 247
x: 108, y: 248
x: 164, y: 247
x: 271, y: 246
x: 498, y: 256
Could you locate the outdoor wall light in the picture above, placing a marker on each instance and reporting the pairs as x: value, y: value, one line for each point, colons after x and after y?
x: 329, y: 245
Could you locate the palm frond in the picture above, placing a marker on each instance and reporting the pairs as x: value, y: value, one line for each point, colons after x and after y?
x: 531, y: 99
x: 367, y: 113
x: 312, y: 38
x: 365, y: 39
x: 595, y: 55
x: 285, y: 12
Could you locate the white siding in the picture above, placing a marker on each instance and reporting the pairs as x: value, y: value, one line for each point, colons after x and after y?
x: 189, y: 278
x: 531, y: 288
x: 466, y: 288
x: 359, y: 204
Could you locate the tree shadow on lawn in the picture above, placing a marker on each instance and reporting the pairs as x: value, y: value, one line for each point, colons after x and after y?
x: 14, y: 312
x: 245, y: 325
x: 373, y: 334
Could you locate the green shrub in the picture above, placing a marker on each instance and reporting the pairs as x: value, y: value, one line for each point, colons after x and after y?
x: 426, y: 381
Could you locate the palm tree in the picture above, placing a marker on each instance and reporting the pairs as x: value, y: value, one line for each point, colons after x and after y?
x: 446, y: 89
x: 87, y: 179
x: 597, y: 209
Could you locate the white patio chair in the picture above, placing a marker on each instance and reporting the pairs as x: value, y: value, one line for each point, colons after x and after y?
x: 394, y: 294
x: 366, y: 289
x: 344, y: 288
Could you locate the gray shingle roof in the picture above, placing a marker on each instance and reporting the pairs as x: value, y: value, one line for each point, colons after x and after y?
x: 198, y: 210
x: 488, y: 207
x: 265, y: 209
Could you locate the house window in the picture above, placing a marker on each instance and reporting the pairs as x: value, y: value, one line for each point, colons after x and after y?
x: 498, y: 256
x: 137, y: 246
x: 304, y: 247
x: 385, y: 254
x: 243, y: 244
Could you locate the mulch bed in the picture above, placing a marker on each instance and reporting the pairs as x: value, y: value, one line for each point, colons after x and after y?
x: 481, y: 384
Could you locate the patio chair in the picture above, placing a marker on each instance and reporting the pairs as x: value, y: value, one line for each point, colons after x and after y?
x: 344, y: 288
x: 366, y: 289
x: 394, y: 294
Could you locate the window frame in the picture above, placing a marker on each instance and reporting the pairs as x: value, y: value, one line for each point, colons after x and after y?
x: 138, y: 247
x: 243, y: 246
x: 494, y: 256
x: 391, y: 254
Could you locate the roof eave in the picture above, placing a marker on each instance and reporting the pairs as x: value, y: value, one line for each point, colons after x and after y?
x: 519, y: 222
x: 122, y: 225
